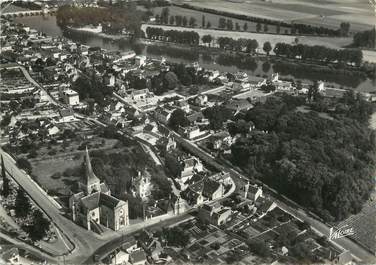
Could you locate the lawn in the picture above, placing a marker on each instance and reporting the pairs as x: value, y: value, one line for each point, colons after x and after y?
x: 46, y: 173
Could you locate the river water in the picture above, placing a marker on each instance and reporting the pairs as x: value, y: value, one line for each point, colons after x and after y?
x: 253, y: 66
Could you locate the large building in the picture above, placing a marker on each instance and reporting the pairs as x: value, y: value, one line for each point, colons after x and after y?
x: 94, y: 206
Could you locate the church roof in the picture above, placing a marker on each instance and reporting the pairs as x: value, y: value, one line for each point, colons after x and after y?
x: 89, y: 178
x: 91, y: 201
x: 109, y: 201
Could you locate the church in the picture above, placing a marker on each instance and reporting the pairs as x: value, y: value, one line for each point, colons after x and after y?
x: 93, y: 205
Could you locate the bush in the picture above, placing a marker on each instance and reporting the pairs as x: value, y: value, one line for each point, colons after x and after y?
x: 57, y: 175
x: 24, y: 164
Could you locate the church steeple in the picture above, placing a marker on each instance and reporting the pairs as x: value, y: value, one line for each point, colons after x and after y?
x: 90, y: 182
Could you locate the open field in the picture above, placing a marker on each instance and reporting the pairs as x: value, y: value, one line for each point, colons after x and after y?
x: 45, y: 169
x: 329, y: 42
x: 328, y: 13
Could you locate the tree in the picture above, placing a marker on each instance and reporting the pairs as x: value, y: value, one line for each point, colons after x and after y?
x: 237, y: 26
x: 217, y: 115
x: 203, y: 21
x: 229, y: 24
x: 178, y: 118
x: 245, y: 26
x: 39, y: 228
x: 175, y: 236
x: 24, y: 164
x: 170, y: 80
x: 164, y: 15
x: 344, y: 28
x: 313, y: 92
x: 184, y: 21
x: 222, y: 23
x: 172, y: 20
x: 5, y: 188
x: 208, y: 25
x: 22, y: 204
x: 278, y: 28
x: 207, y: 39
x: 267, y: 47
x: 192, y: 22
x: 258, y: 27
x: 266, y: 27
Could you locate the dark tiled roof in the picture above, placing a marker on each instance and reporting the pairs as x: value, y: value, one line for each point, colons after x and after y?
x: 91, y: 201
x: 109, y: 201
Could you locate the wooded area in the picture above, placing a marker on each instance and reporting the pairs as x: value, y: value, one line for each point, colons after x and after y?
x: 323, y: 157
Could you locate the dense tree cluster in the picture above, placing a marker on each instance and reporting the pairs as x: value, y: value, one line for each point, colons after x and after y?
x: 39, y: 227
x: 217, y: 115
x: 320, y: 53
x: 175, y: 237
x: 184, y: 37
x: 324, y: 162
x: 339, y: 75
x: 365, y: 39
x: 22, y: 204
x: 247, y: 45
x: 178, y: 118
x: 295, y: 28
x: 113, y: 19
x: 91, y: 88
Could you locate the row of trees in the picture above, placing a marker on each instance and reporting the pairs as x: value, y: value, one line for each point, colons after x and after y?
x: 178, y: 20
x: 247, y: 45
x: 325, y: 164
x: 184, y: 37
x: 295, y: 28
x: 320, y: 53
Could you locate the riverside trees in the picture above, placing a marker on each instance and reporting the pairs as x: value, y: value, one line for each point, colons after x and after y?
x: 320, y: 53
x: 183, y: 37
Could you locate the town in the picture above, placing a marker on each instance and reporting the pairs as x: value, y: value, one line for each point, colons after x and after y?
x: 112, y: 157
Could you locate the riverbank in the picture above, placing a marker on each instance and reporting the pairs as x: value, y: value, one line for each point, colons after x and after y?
x: 334, y: 43
x: 98, y: 33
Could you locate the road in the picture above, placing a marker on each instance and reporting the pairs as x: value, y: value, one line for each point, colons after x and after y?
x: 85, y: 241
x: 357, y: 251
x: 110, y: 247
x: 36, y: 84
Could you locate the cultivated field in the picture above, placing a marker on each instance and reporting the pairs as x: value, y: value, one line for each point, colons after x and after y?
x: 328, y: 13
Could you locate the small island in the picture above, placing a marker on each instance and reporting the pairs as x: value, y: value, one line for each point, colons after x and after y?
x: 124, y: 20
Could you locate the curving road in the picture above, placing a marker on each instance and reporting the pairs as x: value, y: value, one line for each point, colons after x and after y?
x: 85, y: 241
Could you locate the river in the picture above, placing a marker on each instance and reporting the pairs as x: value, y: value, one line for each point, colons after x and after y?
x: 253, y: 66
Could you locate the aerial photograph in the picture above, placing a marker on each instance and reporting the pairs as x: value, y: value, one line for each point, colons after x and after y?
x: 172, y: 132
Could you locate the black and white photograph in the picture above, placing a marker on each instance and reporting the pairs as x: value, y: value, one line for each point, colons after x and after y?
x: 171, y: 132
